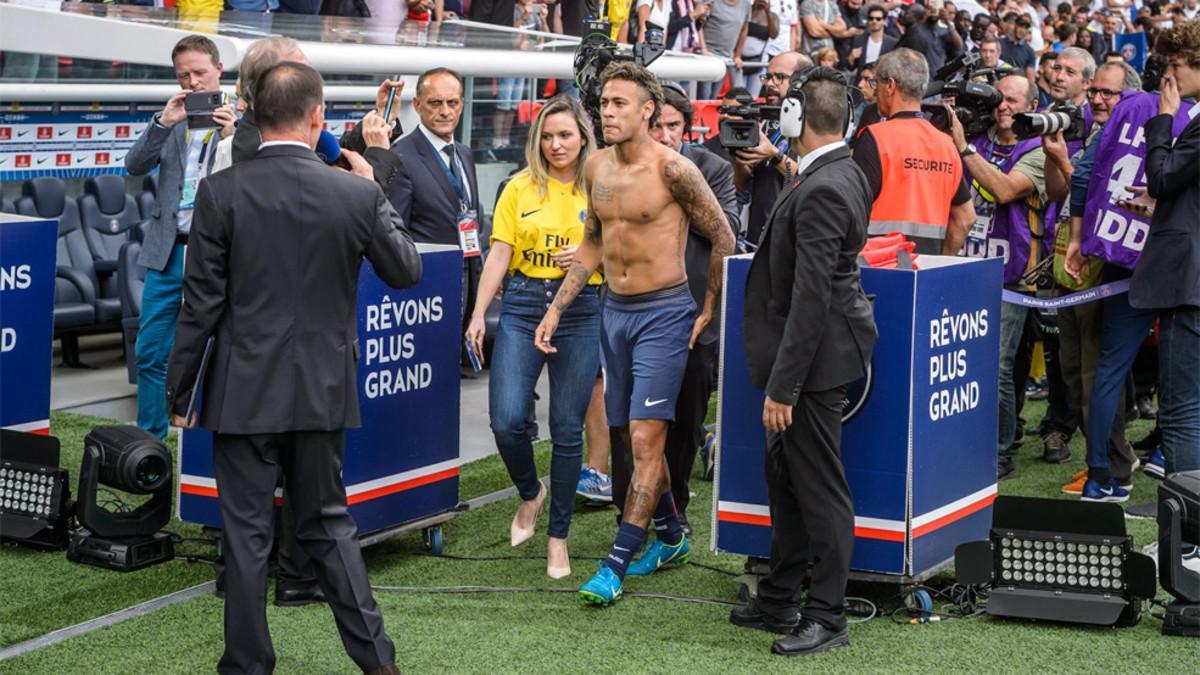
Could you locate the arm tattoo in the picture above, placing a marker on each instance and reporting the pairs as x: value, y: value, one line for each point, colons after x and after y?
x: 602, y: 193
x: 704, y: 214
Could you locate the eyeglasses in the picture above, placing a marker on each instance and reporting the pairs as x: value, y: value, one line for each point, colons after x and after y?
x: 774, y: 77
x: 876, y: 18
x: 1092, y: 92
x: 872, y: 81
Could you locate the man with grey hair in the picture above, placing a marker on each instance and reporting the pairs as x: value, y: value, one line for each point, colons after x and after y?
x: 916, y: 177
x: 262, y: 54
x: 1008, y: 185
x: 1071, y: 75
x: 1080, y: 326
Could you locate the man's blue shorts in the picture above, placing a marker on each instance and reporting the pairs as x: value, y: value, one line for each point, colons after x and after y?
x: 644, y: 344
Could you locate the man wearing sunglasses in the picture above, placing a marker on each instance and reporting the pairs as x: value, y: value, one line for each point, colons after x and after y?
x: 868, y: 47
x: 1016, y: 50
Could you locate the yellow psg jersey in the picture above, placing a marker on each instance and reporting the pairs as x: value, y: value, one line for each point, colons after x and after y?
x: 537, y: 227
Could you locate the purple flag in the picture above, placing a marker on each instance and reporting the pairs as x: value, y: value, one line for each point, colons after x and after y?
x: 1110, y: 231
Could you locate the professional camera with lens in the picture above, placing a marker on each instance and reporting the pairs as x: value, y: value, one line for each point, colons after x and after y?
x: 975, y: 101
x: 1065, y: 118
x: 596, y: 50
x: 740, y: 130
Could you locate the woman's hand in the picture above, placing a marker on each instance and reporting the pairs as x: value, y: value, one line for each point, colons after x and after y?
x: 474, y: 334
x: 565, y: 257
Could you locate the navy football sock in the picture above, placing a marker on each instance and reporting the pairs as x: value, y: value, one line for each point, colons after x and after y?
x: 666, y: 521
x: 629, y: 541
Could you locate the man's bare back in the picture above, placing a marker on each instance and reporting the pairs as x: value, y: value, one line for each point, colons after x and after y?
x: 644, y: 228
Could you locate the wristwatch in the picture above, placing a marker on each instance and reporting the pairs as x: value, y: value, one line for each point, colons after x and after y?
x: 968, y: 151
x: 774, y: 161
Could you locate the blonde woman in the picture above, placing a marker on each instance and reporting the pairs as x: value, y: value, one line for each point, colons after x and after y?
x: 537, y: 226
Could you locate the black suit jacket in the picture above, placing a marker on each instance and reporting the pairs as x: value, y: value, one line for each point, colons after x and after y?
x: 422, y: 194
x: 860, y: 41
x: 1168, y: 272
x: 808, y: 324
x: 272, y: 272
x: 718, y: 173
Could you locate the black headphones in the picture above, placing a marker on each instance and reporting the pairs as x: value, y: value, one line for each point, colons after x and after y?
x: 791, y: 111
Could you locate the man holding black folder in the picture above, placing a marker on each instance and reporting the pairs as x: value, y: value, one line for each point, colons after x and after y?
x: 272, y: 271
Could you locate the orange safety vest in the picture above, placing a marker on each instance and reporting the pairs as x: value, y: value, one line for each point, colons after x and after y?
x: 921, y: 172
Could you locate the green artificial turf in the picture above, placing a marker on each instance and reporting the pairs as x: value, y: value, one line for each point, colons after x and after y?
x: 544, y: 632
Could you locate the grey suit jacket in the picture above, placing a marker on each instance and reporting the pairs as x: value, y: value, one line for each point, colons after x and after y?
x: 165, y: 148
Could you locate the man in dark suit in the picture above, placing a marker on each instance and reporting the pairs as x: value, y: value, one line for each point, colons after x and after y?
x: 872, y: 44
x: 1166, y: 280
x: 435, y: 190
x: 273, y: 281
x: 809, y: 332
x: 699, y: 377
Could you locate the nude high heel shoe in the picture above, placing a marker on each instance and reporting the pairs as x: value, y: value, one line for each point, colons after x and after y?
x: 558, y: 572
x: 519, y: 535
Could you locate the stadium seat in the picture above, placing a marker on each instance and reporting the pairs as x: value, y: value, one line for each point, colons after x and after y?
x: 109, y: 217
x: 131, y: 279
x: 7, y: 206
x: 74, y: 288
x: 145, y: 200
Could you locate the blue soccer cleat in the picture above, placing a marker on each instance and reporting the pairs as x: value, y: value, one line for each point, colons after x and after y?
x: 602, y: 589
x: 659, y: 555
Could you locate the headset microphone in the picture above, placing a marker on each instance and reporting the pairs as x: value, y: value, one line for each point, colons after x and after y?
x: 791, y: 110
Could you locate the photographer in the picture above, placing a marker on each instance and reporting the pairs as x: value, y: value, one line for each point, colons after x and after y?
x: 183, y: 157
x: 1079, y: 326
x: 762, y: 170
x: 1009, y: 190
x: 913, y: 171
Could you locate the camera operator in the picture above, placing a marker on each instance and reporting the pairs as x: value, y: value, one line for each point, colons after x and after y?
x: 1009, y: 190
x: 699, y: 376
x: 916, y: 177
x: 1079, y: 326
x: 762, y: 170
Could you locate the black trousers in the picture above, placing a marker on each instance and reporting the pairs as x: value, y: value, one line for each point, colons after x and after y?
x: 812, y: 512
x: 247, y: 470
x: 683, y: 435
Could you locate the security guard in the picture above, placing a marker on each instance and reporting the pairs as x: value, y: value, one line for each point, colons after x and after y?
x: 912, y: 168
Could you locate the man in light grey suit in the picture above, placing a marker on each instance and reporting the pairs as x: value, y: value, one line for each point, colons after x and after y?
x: 183, y: 156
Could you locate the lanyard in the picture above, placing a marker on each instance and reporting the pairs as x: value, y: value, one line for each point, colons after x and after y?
x: 454, y: 182
x: 204, y: 148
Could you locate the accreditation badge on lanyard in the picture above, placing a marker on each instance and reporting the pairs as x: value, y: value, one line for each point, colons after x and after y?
x: 468, y: 233
x: 193, y: 173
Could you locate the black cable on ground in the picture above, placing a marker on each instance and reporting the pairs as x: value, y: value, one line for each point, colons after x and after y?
x: 468, y: 558
x: 436, y: 590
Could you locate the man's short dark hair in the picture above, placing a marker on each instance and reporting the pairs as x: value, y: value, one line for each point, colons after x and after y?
x: 197, y: 43
x: 1047, y: 57
x: 825, y: 104
x: 639, y: 75
x: 674, y: 96
x: 1011, y: 17
x: 1111, y: 54
x: 432, y: 72
x: 285, y: 95
x: 876, y: 7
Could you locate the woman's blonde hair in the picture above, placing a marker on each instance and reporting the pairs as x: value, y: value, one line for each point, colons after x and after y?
x: 536, y: 164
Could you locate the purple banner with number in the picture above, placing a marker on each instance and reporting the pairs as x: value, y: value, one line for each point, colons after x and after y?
x: 1110, y: 231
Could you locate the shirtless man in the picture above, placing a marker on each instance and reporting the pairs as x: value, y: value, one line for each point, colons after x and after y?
x: 643, y: 196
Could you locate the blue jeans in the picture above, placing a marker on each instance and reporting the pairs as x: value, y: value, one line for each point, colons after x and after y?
x: 1179, y: 387
x: 1125, y: 328
x: 516, y: 365
x: 161, y: 298
x: 1012, y: 326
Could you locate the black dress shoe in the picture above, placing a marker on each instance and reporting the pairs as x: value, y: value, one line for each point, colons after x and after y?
x: 389, y: 669
x: 752, y: 615
x: 297, y: 596
x: 810, y: 637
